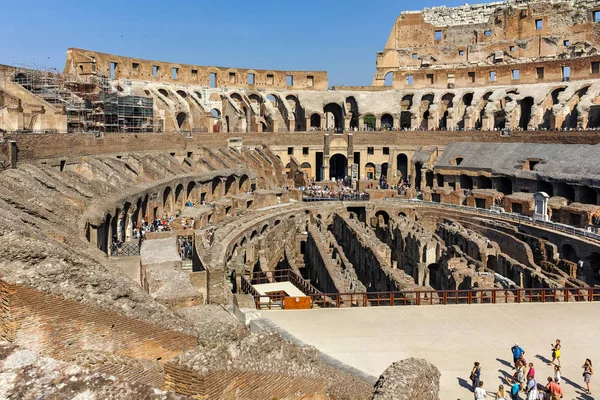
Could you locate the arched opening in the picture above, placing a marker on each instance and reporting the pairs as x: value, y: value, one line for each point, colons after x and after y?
x: 543, y: 186
x: 484, y: 182
x: 387, y: 121
x: 418, y: 168
x: 402, y: 165
x: 163, y: 92
x: 500, y: 119
x: 352, y: 109
x: 216, y: 187
x: 429, y: 179
x: 383, y: 218
x: 370, y: 122
x: 504, y: 185
x: 229, y: 184
x: 182, y: 93
x: 191, y: 192
x: 338, y: 166
x: 216, y: 116
x: 227, y: 127
x: 587, y: 195
x: 179, y: 196
x: 334, y: 116
x: 370, y: 171
x: 306, y: 168
x: 566, y: 191
x: 299, y: 113
x: 405, y: 114
x: 526, y: 105
x: 181, y: 120
x: 244, y: 183
x: 466, y: 182
x: 168, y: 200
x: 426, y: 102
x: 568, y: 253
x: 389, y: 79
x: 384, y: 171
x: 315, y: 121
x: 446, y: 104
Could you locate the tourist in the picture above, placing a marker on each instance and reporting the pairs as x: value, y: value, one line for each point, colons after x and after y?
x: 555, y: 352
x: 480, y: 392
x: 475, y: 375
x: 517, y: 352
x: 531, y: 371
x: 501, y: 393
x: 557, y: 377
x: 515, y: 388
x: 588, y: 371
x: 531, y: 389
x: 520, y: 374
x: 554, y: 389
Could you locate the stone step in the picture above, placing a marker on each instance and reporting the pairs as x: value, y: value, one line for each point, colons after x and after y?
x: 187, y: 265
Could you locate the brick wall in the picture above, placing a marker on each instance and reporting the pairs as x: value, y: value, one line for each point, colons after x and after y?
x: 64, y: 146
x: 63, y: 328
x: 244, y: 385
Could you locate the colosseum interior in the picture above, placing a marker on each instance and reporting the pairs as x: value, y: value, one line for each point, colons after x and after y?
x: 154, y: 214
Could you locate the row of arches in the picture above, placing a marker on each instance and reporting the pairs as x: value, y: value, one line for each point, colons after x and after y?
x: 117, y: 225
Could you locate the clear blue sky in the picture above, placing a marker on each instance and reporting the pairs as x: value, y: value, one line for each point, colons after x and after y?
x: 341, y: 37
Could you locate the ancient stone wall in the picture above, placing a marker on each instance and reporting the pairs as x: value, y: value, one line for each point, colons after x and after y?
x: 86, y: 62
x: 493, y: 37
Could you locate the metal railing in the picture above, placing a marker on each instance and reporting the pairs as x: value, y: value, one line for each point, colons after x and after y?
x: 125, y: 249
x: 440, y: 297
x: 364, y: 197
x: 284, y: 275
x: 515, y: 217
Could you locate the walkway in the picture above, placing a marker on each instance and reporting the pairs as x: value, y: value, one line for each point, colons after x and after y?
x: 453, y: 337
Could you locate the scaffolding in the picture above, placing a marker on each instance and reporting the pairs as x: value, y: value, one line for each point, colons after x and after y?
x: 90, y: 102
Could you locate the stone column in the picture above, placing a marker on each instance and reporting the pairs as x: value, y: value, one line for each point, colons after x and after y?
x: 378, y: 122
x: 307, y: 123
x: 397, y: 122
x: 129, y: 230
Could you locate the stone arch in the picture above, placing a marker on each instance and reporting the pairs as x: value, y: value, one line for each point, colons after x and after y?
x: 168, y: 200
x: 335, y: 111
x: 543, y: 186
x: 405, y: 114
x: 179, y: 196
x: 183, y: 121
x: 402, y: 165
x: 466, y: 182
x: 504, y: 185
x: 526, y: 107
x: 426, y: 102
x: 484, y: 182
x: 182, y: 93
x: 163, y: 92
x: 388, y: 79
x: 352, y: 110
x: 216, y: 186
x: 230, y: 185
x: 338, y: 166
x: 191, y: 193
x: 382, y: 217
x: 307, y: 169
x: 387, y: 121
x: 244, y: 183
x: 369, y: 171
x: 315, y: 121
x: 299, y: 112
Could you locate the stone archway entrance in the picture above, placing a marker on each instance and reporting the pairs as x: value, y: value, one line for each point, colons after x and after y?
x: 338, y: 166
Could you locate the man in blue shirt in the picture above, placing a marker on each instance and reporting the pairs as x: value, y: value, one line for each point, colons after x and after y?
x: 517, y: 353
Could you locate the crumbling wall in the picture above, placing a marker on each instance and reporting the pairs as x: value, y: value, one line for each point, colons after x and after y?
x: 410, y: 379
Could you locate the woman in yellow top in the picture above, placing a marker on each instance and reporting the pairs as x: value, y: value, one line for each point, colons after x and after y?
x: 501, y: 393
x: 556, y: 352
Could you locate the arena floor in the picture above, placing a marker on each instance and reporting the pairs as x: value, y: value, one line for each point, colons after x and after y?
x: 453, y: 337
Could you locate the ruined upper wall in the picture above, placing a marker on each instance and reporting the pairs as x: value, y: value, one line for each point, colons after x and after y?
x: 500, y: 33
x: 86, y: 62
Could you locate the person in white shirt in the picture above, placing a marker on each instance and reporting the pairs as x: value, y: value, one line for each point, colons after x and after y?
x: 480, y: 393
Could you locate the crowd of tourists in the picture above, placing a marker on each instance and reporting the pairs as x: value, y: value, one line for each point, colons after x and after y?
x: 341, y: 190
x: 524, y: 380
